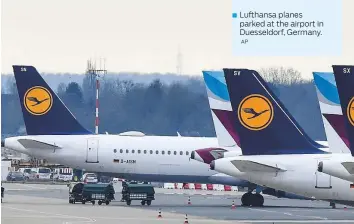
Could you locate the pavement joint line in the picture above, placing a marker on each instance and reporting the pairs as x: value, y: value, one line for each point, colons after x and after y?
x: 89, y: 220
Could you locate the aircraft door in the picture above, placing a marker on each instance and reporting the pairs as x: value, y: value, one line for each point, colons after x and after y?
x: 322, y: 180
x: 92, y: 150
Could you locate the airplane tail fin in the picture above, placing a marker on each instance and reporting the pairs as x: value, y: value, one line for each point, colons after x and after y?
x: 263, y: 124
x: 331, y: 111
x: 43, y: 112
x: 218, y: 97
x: 344, y: 76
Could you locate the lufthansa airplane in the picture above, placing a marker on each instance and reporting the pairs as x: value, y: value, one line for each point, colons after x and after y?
x: 336, y: 97
x: 276, y: 152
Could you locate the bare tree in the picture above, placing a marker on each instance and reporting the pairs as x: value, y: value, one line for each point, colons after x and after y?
x: 281, y: 75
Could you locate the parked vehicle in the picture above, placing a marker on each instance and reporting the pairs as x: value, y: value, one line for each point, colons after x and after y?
x: 79, y: 192
x: 63, y: 174
x: 134, y: 191
x: 42, y: 173
x: 15, y: 176
x: 26, y: 172
x: 90, y: 178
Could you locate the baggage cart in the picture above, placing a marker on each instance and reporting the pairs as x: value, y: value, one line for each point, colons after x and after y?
x: 142, y: 192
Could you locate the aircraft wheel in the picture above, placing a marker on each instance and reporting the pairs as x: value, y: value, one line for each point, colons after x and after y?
x: 257, y: 200
x: 246, y: 199
x: 142, y: 202
x: 99, y: 202
x: 148, y: 203
x: 107, y: 202
x: 129, y: 202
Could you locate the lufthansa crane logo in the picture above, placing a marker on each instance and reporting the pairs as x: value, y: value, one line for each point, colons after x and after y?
x: 38, y: 100
x: 350, y: 111
x: 255, y: 112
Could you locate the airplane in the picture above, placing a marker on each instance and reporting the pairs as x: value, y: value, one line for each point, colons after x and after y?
x: 336, y: 97
x: 276, y: 152
x: 219, y: 98
x: 54, y: 134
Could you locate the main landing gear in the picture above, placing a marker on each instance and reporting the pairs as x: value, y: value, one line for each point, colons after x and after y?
x: 332, y: 204
x: 254, y: 200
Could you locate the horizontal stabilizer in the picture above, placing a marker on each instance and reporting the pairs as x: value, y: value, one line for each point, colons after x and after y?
x: 251, y: 166
x: 349, y: 166
x: 34, y: 144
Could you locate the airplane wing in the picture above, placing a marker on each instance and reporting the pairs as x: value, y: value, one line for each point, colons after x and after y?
x: 34, y: 144
x: 349, y: 166
x: 252, y: 166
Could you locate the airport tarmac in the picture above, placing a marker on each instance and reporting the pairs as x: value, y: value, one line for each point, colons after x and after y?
x: 49, y: 204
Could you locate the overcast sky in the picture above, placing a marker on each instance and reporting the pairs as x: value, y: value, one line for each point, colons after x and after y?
x: 138, y: 35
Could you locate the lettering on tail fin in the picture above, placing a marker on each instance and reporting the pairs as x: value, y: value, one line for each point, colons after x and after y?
x: 350, y: 111
x: 38, y: 100
x: 255, y: 112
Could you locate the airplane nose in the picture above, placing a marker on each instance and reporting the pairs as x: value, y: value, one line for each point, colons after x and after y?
x: 212, y: 165
x: 320, y: 167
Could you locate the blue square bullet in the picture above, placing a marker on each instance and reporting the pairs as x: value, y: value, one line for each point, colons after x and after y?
x: 234, y: 15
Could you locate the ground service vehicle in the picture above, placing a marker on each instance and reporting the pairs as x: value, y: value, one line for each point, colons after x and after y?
x: 79, y: 192
x: 135, y: 191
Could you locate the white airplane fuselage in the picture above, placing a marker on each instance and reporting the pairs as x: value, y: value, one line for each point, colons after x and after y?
x: 341, y: 167
x: 300, y: 176
x: 129, y: 157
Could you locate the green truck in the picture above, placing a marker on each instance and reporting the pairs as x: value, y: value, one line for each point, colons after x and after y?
x: 134, y: 191
x: 79, y: 192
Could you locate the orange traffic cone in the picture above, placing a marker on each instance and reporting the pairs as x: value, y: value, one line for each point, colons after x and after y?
x: 189, y: 200
x: 186, y: 220
x: 159, y: 216
x: 233, y: 205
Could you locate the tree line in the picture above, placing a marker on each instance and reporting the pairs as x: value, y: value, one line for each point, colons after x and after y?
x: 158, y: 108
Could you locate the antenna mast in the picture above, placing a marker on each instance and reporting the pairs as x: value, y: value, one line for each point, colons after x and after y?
x: 179, y: 62
x: 95, y: 74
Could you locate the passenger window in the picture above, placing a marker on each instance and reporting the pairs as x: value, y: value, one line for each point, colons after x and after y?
x: 151, y: 151
x: 169, y: 153
x: 121, y: 150
x: 139, y: 151
x: 175, y: 152
x: 187, y: 153
x: 133, y: 151
x: 115, y: 150
x: 181, y: 153
x: 127, y: 151
x: 163, y: 152
x: 145, y: 151
x: 157, y: 152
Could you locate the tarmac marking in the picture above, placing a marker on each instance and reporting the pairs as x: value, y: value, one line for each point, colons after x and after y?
x: 33, y: 187
x: 290, y: 214
x: 58, y: 215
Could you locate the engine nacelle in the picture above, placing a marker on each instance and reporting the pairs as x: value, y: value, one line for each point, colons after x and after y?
x: 336, y: 168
